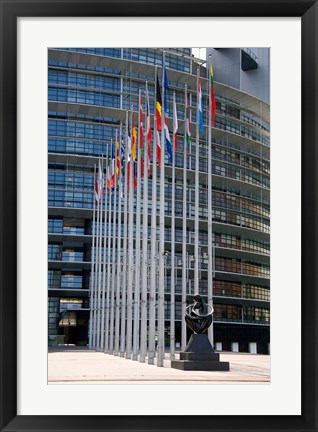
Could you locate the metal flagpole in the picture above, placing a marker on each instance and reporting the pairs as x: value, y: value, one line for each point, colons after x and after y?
x: 96, y: 259
x: 108, y: 273
x: 99, y: 273
x: 104, y: 262
x: 117, y: 297
x: 153, y: 254
x: 99, y: 283
x: 143, y: 308
x: 161, y: 287
x: 137, y: 248
x: 184, y: 222
x: 91, y: 290
x: 130, y: 256
x: 210, y: 231
x: 172, y: 291
x: 124, y: 287
x: 196, y: 218
x: 112, y: 301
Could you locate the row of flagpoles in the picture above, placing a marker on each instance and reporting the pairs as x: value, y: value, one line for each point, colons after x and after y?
x: 127, y: 285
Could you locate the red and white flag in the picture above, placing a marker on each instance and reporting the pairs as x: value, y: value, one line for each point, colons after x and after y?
x: 99, y: 184
x: 141, y: 124
x: 175, y: 124
x: 96, y: 188
x: 148, y: 118
x: 113, y: 174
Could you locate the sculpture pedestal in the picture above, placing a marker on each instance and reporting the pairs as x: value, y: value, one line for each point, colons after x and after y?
x: 200, y: 356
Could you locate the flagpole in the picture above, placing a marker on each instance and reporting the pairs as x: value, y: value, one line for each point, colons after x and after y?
x: 99, y: 280
x: 124, y: 288
x: 104, y: 261
x: 96, y: 262
x: 196, y: 218
x: 100, y: 259
x: 137, y: 248
x: 117, y: 298
x: 184, y: 225
x: 153, y: 254
x: 161, y: 287
x: 111, y: 327
x: 172, y: 291
x: 91, y: 296
x: 143, y: 306
x: 210, y: 227
x: 130, y: 257
x: 107, y: 315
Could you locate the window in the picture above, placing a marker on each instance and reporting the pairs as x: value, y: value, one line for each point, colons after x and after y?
x: 71, y: 281
x: 54, y: 279
x: 227, y: 313
x: 70, y: 304
x: 55, y: 225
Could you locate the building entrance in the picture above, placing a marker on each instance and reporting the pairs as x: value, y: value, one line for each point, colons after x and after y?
x: 73, y: 326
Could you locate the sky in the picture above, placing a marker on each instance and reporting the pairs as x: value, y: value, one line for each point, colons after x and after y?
x: 199, y: 52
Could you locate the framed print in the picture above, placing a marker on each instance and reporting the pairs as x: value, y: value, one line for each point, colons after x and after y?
x: 30, y: 34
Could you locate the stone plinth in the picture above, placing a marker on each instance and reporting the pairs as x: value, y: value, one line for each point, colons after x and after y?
x: 200, y: 356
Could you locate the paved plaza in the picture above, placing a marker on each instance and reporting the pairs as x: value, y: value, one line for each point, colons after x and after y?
x: 81, y: 366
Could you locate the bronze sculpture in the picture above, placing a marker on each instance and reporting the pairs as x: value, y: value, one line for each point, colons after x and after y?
x: 198, y: 315
x: 199, y: 354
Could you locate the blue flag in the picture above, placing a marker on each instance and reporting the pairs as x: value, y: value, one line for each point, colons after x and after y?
x: 168, y: 140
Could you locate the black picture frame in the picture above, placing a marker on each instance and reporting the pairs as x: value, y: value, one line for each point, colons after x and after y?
x: 10, y: 10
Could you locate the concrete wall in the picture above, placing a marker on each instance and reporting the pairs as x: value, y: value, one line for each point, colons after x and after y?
x: 226, y: 64
x: 256, y: 81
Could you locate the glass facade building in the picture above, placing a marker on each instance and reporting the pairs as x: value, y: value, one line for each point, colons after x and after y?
x: 89, y: 92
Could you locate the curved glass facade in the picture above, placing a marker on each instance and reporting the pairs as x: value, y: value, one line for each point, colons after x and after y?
x: 89, y: 91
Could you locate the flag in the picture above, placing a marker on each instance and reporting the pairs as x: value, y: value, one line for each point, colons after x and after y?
x: 166, y: 129
x: 100, y: 183
x: 96, y: 187
x: 135, y: 174
x: 175, y: 124
x: 141, y: 133
x: 128, y: 175
x: 149, y: 159
x: 148, y: 118
x: 168, y: 141
x: 122, y: 153
x: 108, y: 175
x: 158, y: 106
x: 141, y: 124
x: 134, y: 139
x: 142, y: 162
x: 158, y: 145
x: 121, y: 175
x: 113, y: 173
x: 212, y: 96
x: 148, y: 127
x: 200, y: 108
x: 128, y: 155
x: 187, y: 126
x: 117, y: 159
